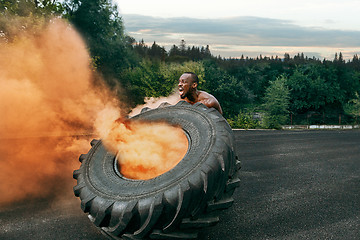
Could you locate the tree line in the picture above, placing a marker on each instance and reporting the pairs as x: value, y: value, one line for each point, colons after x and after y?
x: 277, y: 87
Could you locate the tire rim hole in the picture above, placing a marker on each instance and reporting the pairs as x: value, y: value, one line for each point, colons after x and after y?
x: 148, y: 172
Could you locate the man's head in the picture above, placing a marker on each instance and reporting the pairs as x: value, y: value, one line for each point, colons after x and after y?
x: 188, y: 83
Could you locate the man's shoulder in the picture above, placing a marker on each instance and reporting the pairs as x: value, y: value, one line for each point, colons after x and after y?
x: 209, y: 100
x: 206, y: 97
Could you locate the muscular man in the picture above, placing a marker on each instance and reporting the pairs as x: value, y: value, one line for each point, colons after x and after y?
x: 188, y: 91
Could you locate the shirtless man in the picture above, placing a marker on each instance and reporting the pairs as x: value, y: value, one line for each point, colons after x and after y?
x: 188, y: 91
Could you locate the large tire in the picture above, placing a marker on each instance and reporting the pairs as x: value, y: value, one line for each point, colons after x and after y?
x: 175, y: 204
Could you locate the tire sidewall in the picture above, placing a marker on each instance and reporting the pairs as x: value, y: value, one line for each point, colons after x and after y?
x: 100, y: 167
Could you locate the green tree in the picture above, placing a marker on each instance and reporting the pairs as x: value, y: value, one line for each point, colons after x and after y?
x: 276, y: 103
x: 244, y: 120
x: 20, y: 16
x: 24, y: 8
x: 309, y: 91
x: 230, y: 91
x: 99, y: 23
x: 255, y: 79
x: 348, y: 81
x: 182, y: 47
x: 352, y: 107
x: 156, y: 52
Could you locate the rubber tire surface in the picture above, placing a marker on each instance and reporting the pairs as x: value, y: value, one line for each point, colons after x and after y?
x: 171, y: 205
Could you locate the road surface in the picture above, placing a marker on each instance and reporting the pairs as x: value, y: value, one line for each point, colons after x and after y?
x: 294, y: 185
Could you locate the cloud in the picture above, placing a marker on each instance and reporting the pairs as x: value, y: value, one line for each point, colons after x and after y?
x: 238, y: 31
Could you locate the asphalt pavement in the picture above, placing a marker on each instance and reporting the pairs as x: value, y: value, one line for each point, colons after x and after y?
x: 294, y: 185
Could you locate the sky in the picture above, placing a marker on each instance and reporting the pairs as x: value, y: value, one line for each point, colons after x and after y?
x: 317, y: 28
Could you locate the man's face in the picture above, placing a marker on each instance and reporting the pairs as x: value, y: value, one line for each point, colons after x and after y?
x: 186, y: 85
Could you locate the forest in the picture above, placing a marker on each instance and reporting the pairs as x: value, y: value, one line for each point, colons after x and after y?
x: 261, y: 92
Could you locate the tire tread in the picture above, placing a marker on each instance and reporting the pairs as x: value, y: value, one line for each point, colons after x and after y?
x: 191, y: 202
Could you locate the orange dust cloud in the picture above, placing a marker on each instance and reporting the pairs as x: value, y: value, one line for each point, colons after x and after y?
x: 48, y: 105
x: 144, y: 150
x: 155, y: 102
x: 52, y: 103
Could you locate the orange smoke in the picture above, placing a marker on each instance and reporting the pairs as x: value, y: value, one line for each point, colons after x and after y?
x: 47, y: 107
x: 148, y: 150
x: 155, y: 102
x: 50, y: 109
x: 144, y: 150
